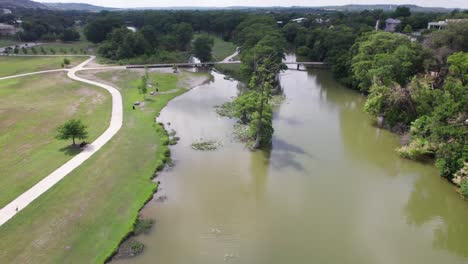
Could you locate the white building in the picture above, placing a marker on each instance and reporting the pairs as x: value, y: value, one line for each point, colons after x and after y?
x: 6, y: 11
x: 299, y: 20
x: 443, y: 24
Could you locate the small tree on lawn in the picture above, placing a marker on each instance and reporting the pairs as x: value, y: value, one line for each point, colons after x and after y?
x: 72, y: 129
x: 66, y: 61
x: 143, y: 85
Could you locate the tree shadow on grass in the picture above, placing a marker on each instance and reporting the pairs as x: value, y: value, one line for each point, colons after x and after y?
x: 71, y: 150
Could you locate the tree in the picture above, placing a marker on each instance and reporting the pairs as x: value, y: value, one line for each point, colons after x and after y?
x: 73, y: 128
x: 384, y: 58
x: 66, y: 61
x: 202, y: 47
x: 402, y: 11
x: 70, y: 35
x: 408, y: 29
x: 182, y: 34
x: 143, y: 84
x: 97, y: 30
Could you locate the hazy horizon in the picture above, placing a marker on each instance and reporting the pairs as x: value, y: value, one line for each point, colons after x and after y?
x: 260, y: 3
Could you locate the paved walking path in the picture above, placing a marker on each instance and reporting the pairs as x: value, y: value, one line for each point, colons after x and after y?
x: 7, y: 212
x: 231, y: 57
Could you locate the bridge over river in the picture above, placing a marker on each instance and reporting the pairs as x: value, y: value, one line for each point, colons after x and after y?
x: 311, y: 64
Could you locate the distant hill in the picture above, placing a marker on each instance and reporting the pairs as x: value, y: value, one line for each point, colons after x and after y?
x: 77, y: 6
x: 348, y: 8
x: 12, y: 4
x: 387, y: 8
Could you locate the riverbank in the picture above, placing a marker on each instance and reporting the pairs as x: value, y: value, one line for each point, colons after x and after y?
x: 325, y: 186
x: 100, y: 200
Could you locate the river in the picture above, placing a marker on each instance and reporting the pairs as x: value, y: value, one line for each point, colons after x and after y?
x: 332, y: 189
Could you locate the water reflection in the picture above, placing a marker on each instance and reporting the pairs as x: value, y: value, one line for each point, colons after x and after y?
x: 429, y: 204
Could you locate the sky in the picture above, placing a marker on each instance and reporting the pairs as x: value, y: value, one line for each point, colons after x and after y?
x: 225, y: 3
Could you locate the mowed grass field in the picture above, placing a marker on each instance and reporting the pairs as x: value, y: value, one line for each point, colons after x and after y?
x: 222, y: 49
x: 18, y: 65
x: 31, y: 108
x: 84, y: 217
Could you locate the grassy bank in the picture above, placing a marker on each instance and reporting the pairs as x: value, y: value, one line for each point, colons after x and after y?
x: 95, y: 207
x: 32, y: 108
x: 222, y: 49
x: 18, y: 65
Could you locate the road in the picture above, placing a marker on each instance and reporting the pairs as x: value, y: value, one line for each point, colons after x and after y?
x: 10, y: 210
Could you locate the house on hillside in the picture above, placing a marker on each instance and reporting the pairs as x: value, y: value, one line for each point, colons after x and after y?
x: 6, y: 11
x: 443, y: 24
x: 391, y: 24
x: 299, y: 20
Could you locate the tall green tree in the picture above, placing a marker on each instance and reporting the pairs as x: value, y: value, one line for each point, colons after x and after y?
x: 72, y: 129
x: 202, y: 47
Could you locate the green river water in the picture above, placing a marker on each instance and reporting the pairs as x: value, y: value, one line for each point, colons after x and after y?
x: 332, y: 189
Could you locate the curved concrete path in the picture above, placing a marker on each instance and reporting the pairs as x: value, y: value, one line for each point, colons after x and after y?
x: 9, y: 211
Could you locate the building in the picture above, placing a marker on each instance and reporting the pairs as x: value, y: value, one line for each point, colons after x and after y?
x: 6, y: 11
x: 6, y: 29
x: 443, y: 24
x: 133, y: 29
x: 299, y: 20
x: 391, y: 24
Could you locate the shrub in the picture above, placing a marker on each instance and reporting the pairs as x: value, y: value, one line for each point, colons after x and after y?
x: 136, y: 247
x: 464, y: 188
x: 143, y: 226
x: 418, y: 149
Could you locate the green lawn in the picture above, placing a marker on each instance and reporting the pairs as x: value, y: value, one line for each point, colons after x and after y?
x: 31, y: 109
x: 18, y: 65
x: 60, y: 48
x: 6, y: 42
x: 83, y: 218
x: 222, y: 49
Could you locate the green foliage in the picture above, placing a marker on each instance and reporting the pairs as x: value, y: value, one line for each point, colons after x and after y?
x: 408, y: 29
x: 444, y: 125
x: 384, y: 58
x: 143, y: 84
x: 66, y: 61
x: 464, y: 188
x: 97, y: 30
x: 418, y: 149
x: 202, y: 47
x: 70, y: 35
x: 123, y: 44
x: 402, y: 11
x: 143, y: 226
x: 136, y: 247
x: 73, y: 128
x: 245, y: 106
x: 459, y: 66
